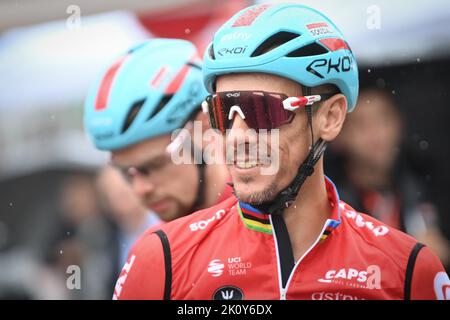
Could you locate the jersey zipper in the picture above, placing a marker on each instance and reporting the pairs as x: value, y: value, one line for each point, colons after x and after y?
x: 283, y: 290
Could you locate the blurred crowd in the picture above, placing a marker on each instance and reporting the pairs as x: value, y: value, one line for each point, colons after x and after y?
x: 374, y: 171
x: 94, y: 224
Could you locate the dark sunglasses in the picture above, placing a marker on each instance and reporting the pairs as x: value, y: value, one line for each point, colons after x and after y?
x: 259, y: 109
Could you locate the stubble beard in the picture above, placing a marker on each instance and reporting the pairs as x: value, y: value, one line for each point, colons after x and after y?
x: 268, y: 194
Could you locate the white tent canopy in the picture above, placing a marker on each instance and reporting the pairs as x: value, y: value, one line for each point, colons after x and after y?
x: 52, y: 65
x: 45, y: 72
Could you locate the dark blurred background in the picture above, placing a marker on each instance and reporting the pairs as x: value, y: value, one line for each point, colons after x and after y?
x: 54, y: 209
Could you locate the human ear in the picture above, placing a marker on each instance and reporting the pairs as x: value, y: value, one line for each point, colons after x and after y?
x: 330, y: 117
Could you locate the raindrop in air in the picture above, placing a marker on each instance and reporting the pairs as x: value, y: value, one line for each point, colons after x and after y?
x: 423, y: 145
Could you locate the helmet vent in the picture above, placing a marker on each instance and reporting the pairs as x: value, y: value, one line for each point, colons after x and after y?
x: 162, y: 103
x: 275, y: 41
x: 312, y: 49
x: 134, y: 110
x: 211, y: 52
x: 194, y: 65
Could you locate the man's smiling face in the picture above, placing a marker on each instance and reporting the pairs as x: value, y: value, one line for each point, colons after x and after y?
x: 294, y: 140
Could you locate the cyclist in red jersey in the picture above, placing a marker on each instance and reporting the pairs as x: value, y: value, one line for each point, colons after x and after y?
x: 132, y: 110
x: 286, y: 235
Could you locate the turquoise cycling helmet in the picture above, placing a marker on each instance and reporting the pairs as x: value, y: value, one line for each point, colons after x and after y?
x: 288, y: 40
x: 150, y: 91
x: 292, y: 41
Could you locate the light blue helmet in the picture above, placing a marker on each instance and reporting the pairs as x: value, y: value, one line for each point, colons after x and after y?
x: 289, y: 40
x: 150, y: 91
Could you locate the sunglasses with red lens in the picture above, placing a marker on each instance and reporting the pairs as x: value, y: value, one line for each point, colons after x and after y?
x: 259, y: 109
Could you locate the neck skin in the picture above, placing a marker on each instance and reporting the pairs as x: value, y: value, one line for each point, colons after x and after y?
x: 368, y: 177
x: 306, y: 216
x: 216, y: 177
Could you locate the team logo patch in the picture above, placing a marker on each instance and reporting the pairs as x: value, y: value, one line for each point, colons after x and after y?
x: 123, y: 276
x: 378, y: 230
x: 215, y: 268
x: 228, y: 293
x: 364, y: 279
x: 234, y: 266
x: 202, y: 224
x: 319, y: 29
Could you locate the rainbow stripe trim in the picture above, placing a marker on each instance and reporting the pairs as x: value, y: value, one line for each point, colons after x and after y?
x: 331, y: 225
x: 254, y: 219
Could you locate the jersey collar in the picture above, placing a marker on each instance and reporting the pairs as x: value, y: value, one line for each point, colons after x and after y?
x: 259, y: 221
x: 335, y: 219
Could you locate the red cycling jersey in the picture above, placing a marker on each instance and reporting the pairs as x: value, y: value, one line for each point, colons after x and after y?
x: 233, y: 251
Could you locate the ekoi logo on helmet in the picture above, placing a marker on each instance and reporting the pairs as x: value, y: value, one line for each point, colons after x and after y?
x: 328, y: 65
x: 235, y: 50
